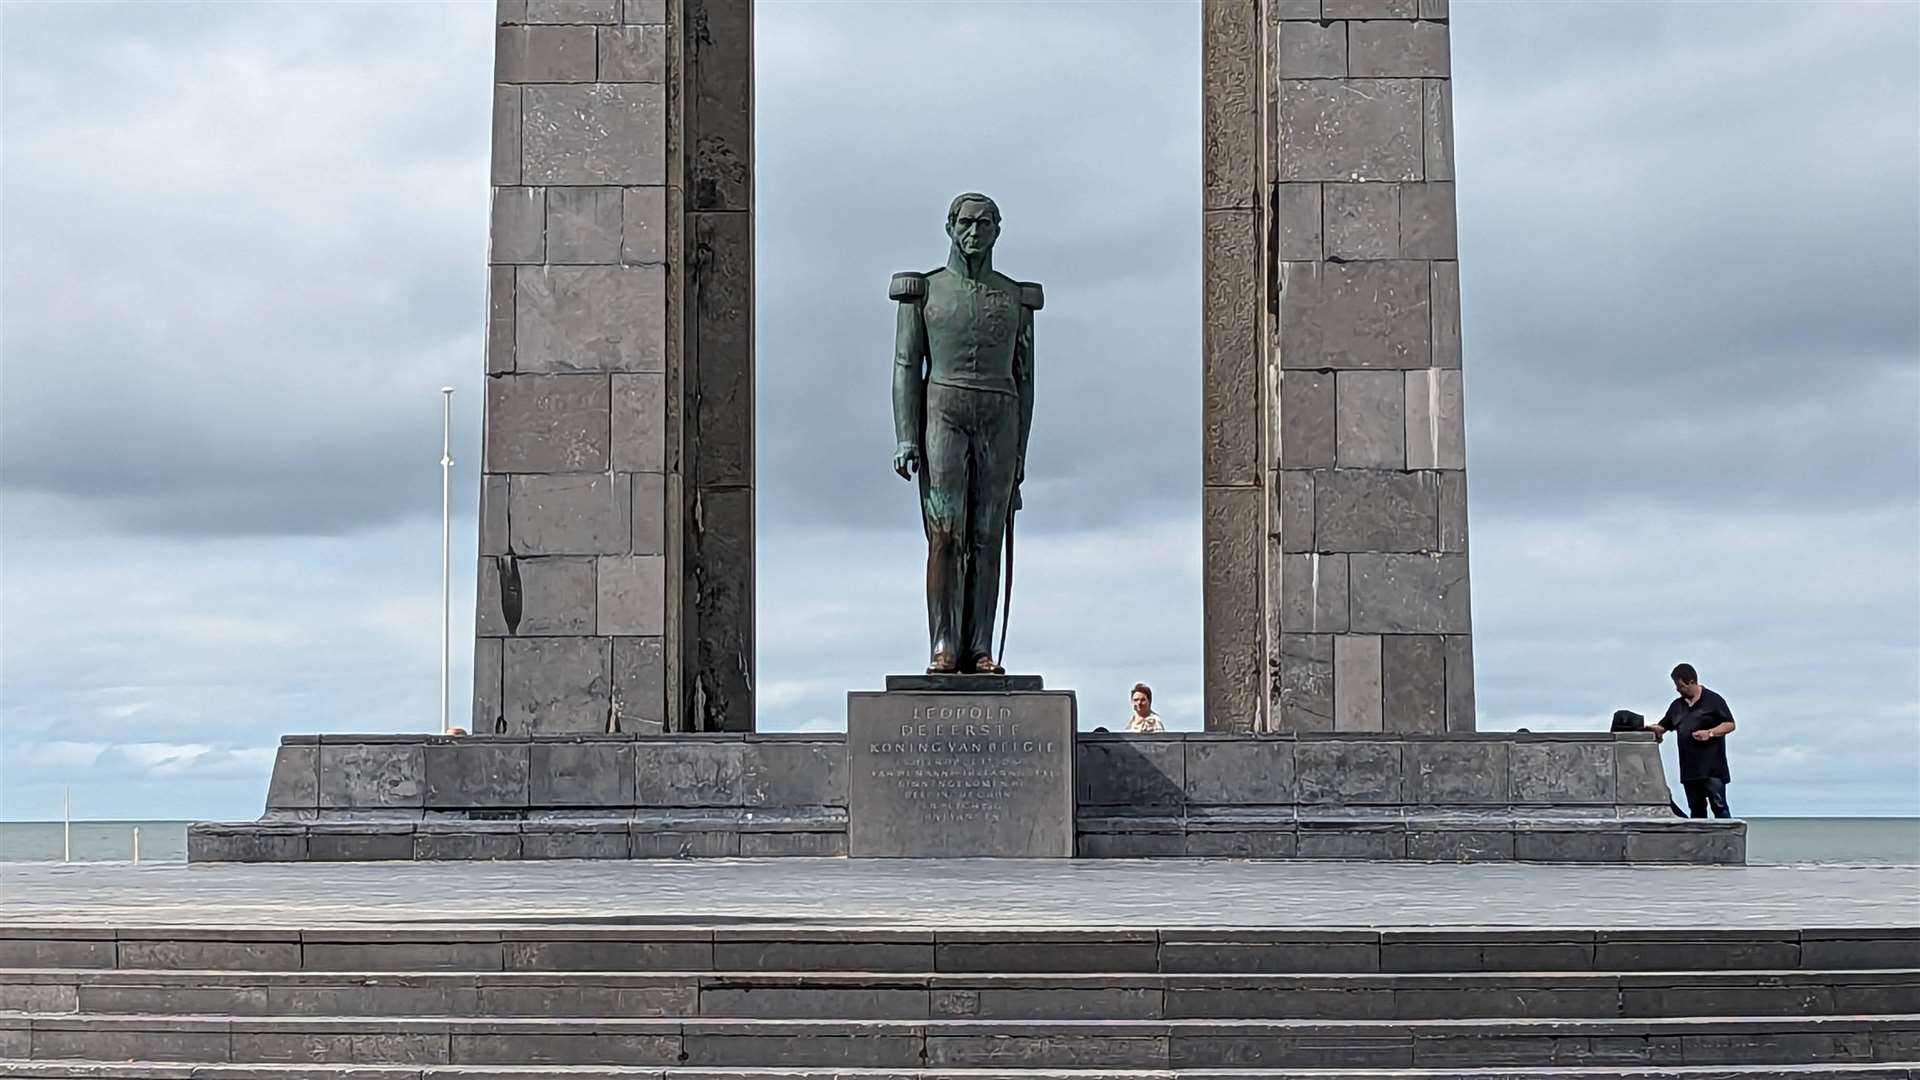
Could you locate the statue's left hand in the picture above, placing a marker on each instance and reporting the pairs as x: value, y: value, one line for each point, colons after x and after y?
x: 1015, y: 503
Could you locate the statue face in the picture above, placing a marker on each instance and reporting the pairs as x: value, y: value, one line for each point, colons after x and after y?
x: 974, y: 229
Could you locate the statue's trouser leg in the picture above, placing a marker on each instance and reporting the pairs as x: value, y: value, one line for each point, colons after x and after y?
x: 995, y: 449
x: 944, y: 506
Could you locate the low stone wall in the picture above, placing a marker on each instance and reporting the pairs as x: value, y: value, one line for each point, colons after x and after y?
x: 1549, y: 797
x: 1136, y: 774
x: 508, y: 776
x: 358, y: 797
x: 1464, y: 796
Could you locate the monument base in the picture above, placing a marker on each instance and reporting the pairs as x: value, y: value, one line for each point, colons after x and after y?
x: 1457, y: 797
x: 959, y: 773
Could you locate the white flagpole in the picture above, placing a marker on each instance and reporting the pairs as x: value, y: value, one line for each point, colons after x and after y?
x: 446, y: 547
x: 66, y: 824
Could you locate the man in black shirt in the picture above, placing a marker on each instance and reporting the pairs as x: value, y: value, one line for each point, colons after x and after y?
x: 1703, y: 721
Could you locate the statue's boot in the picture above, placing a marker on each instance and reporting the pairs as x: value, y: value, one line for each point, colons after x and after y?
x: 983, y: 603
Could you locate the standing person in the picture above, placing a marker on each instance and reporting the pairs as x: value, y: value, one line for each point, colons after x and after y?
x: 1143, y: 720
x: 1704, y: 722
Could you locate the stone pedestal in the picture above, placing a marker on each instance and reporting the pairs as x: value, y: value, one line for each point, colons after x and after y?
x: 960, y: 774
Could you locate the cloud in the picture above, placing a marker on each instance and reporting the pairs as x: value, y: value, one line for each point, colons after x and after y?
x: 1681, y: 278
x: 128, y: 779
x: 226, y: 643
x: 164, y: 759
x: 58, y: 754
x: 275, y: 267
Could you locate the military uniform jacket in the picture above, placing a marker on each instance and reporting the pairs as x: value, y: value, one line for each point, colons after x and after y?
x: 973, y: 334
x: 971, y: 331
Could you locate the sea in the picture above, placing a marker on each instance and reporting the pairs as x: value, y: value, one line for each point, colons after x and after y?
x: 1857, y: 841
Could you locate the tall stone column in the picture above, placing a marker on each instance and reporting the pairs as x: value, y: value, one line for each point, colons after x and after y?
x: 616, y: 537
x: 710, y: 159
x: 1363, y: 581
x: 1234, y: 328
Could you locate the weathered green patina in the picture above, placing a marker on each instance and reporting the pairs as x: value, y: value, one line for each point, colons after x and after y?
x: 962, y: 410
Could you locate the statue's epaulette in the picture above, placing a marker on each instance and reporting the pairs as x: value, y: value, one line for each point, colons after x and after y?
x: 1030, y: 296
x: 907, y: 287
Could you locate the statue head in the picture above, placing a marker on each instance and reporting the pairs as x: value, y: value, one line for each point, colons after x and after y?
x: 973, y: 221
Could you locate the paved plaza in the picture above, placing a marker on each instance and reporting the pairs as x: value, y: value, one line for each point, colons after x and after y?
x: 1156, y: 893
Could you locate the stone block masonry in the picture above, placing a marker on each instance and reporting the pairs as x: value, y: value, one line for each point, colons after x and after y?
x: 1329, y: 155
x: 616, y: 546
x: 1422, y: 795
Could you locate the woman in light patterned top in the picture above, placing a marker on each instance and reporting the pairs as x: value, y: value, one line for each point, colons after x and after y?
x: 1143, y: 720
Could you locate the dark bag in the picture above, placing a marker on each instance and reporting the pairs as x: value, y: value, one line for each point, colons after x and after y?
x: 1627, y: 720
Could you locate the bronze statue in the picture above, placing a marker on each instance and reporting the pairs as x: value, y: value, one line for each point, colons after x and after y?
x: 962, y: 408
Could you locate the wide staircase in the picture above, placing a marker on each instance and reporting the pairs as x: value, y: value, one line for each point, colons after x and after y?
x: 750, y: 1002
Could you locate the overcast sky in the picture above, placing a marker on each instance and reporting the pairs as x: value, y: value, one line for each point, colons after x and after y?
x: 244, y: 246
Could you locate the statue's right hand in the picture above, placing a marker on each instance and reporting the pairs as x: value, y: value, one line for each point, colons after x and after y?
x: 907, y: 460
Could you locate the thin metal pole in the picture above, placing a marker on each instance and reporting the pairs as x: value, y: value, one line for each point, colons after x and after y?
x: 66, y: 823
x: 136, y: 845
x: 446, y: 550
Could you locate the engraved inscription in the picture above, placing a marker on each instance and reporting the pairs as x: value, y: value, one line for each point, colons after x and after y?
x: 950, y: 773
x: 968, y: 777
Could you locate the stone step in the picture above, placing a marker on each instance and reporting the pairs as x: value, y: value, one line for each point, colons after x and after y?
x: 476, y: 948
x: 944, y: 1044
x: 1517, y: 833
x: 963, y: 996
x: 147, y: 1070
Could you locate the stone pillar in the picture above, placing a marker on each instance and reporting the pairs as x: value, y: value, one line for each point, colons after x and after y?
x: 710, y: 155
x: 619, y: 372
x: 1362, y: 584
x: 1234, y: 326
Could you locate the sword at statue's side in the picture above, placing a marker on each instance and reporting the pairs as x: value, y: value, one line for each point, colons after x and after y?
x: 1006, y: 606
x: 1030, y: 302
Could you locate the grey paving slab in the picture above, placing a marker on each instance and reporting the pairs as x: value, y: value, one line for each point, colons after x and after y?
x: 1170, y: 893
